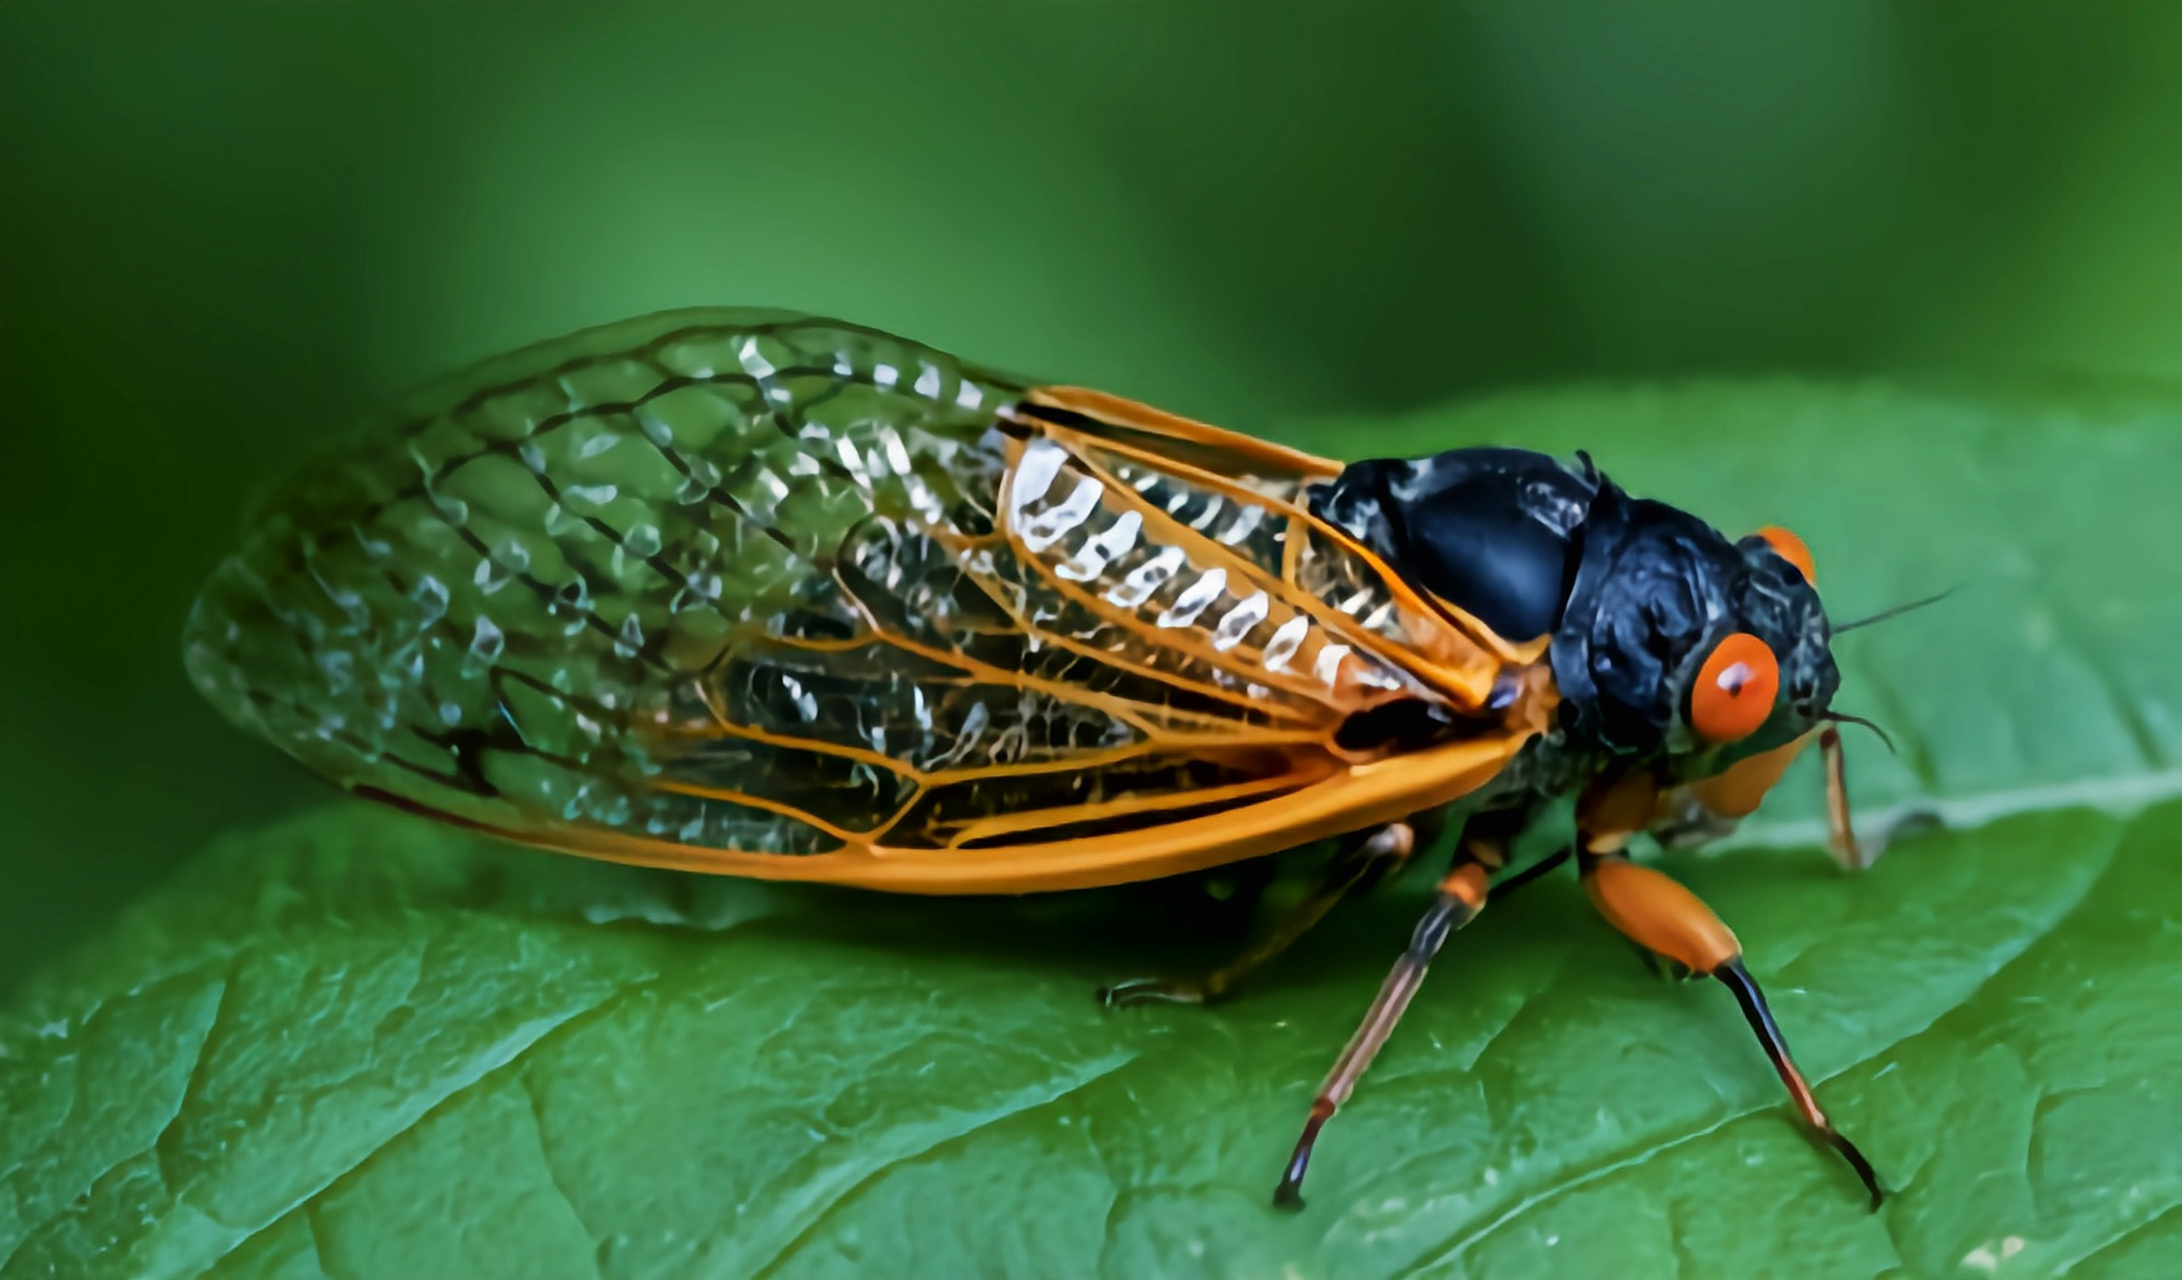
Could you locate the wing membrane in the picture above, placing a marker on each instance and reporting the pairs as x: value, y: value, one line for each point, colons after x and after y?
x: 777, y: 596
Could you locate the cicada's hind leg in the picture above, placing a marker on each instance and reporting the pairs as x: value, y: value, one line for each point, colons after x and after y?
x: 1362, y: 861
x: 1461, y: 896
x: 1669, y: 921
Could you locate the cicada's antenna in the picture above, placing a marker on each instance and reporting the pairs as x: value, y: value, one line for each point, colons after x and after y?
x: 1843, y: 717
x: 1895, y: 612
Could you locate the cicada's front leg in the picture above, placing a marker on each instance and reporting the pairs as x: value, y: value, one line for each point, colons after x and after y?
x: 1658, y: 914
x: 1361, y: 861
x: 1709, y: 808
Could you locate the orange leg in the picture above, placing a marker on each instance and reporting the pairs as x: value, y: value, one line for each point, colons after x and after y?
x: 1705, y: 810
x: 1711, y: 807
x: 1846, y: 850
x: 1668, y: 920
x: 1738, y: 790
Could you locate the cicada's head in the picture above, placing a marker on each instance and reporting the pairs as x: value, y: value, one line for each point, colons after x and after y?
x: 1679, y: 644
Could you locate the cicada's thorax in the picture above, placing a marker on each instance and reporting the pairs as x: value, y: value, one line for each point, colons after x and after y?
x: 1497, y: 533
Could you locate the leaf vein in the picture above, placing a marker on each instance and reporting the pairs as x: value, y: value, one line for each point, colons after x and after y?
x: 2121, y: 1238
x: 553, y: 1172
x: 514, y: 1062
x: 1018, y: 1107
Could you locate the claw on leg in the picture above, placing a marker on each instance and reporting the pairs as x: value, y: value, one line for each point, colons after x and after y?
x: 1136, y: 991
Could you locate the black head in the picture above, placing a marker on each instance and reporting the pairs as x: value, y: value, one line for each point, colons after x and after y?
x: 1654, y: 653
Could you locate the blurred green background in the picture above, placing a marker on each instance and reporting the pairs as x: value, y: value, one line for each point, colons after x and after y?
x: 227, y: 229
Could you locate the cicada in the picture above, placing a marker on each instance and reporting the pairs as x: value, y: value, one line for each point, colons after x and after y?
x: 774, y: 596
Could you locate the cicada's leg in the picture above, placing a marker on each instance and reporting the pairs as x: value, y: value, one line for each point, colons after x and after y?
x: 1846, y: 850
x: 1461, y: 896
x: 1710, y: 808
x: 1661, y: 916
x: 1483, y: 842
x: 1361, y: 862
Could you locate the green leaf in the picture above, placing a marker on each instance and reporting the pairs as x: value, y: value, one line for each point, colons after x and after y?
x: 358, y: 1045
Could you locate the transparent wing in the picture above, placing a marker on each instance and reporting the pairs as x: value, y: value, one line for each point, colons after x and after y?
x: 728, y: 589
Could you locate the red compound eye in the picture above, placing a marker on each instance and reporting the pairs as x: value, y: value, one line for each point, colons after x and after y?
x: 1735, y: 689
x: 1791, y: 548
